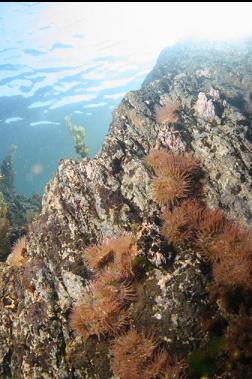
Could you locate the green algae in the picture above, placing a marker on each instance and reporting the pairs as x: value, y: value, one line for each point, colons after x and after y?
x: 203, y: 362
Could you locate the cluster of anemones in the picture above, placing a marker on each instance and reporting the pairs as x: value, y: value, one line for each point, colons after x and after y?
x: 224, y: 243
x: 104, y: 311
x: 186, y: 221
x: 137, y: 355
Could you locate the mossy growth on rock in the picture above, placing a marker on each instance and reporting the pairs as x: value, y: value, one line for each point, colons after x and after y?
x: 203, y: 363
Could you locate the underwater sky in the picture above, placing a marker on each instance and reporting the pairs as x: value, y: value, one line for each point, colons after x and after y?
x: 79, y: 59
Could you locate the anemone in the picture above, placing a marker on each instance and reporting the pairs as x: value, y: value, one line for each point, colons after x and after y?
x: 167, y: 163
x: 180, y: 225
x: 131, y: 352
x: 119, y: 250
x: 169, y: 190
x: 16, y: 257
x: 167, y: 114
x: 136, y: 355
x: 98, y: 317
x: 212, y: 224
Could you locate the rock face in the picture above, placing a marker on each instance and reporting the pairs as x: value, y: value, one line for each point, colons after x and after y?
x: 90, y: 200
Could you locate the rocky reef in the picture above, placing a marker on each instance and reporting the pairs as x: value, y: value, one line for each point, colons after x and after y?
x: 208, y: 89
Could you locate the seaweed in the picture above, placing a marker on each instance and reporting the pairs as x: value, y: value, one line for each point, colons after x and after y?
x: 78, y: 134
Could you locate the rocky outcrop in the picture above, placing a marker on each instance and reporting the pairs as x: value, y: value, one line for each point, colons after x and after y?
x: 90, y: 200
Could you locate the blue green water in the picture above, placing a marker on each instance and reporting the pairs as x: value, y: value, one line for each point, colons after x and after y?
x: 54, y: 64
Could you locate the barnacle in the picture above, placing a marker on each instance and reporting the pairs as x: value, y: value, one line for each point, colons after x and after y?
x: 233, y: 272
x: 104, y: 312
x: 97, y: 256
x: 234, y: 242
x: 231, y: 253
x: 165, y: 365
x: 158, y: 160
x: 125, y: 251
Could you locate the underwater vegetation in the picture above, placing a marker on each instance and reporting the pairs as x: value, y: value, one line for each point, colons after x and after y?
x: 249, y: 107
x: 4, y: 227
x: 7, y: 172
x: 6, y: 186
x: 78, y: 134
x: 203, y: 363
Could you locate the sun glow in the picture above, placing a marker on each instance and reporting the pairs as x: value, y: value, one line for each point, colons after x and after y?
x: 136, y: 32
x: 141, y: 30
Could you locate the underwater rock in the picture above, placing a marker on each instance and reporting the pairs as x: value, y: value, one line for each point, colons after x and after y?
x: 90, y: 200
x: 204, y: 107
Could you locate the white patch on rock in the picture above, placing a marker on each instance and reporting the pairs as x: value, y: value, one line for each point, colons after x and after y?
x: 74, y: 285
x: 215, y: 94
x: 203, y: 73
x: 205, y: 108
